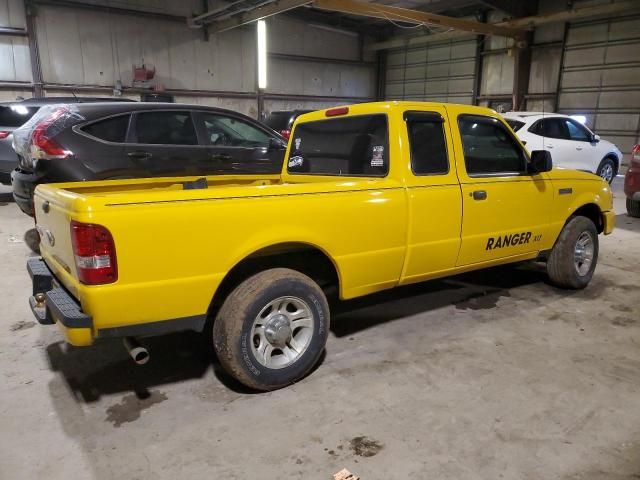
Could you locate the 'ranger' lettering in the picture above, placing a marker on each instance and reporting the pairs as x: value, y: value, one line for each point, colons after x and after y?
x: 508, y: 240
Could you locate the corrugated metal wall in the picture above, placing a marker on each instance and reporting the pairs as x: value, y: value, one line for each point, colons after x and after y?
x: 83, y: 47
x: 600, y: 78
x: 14, y: 51
x: 439, y: 72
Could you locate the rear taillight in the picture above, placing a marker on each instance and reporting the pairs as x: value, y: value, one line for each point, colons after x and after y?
x: 43, y: 145
x: 635, y: 155
x: 95, y: 253
x: 4, y: 135
x: 285, y: 133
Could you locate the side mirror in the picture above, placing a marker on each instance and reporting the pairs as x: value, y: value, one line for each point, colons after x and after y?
x: 595, y: 138
x: 540, y: 162
x: 275, y: 144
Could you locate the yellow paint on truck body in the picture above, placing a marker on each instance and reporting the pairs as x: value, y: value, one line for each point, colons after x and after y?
x: 174, y: 247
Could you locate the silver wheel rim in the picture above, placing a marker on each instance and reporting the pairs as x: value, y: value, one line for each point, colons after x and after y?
x: 282, y: 332
x: 583, y: 254
x: 607, y: 172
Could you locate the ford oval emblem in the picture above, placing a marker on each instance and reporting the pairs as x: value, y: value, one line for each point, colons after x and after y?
x: 50, y: 238
x: 46, y: 207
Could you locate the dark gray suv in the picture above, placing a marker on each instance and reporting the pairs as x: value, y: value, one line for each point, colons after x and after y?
x: 101, y: 141
x: 15, y: 114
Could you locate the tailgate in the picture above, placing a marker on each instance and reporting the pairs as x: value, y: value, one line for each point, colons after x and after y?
x: 53, y: 209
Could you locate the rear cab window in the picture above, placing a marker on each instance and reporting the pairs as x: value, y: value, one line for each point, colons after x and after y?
x: 347, y: 146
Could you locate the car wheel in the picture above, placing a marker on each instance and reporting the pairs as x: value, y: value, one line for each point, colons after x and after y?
x: 607, y: 170
x: 272, y: 329
x: 633, y: 207
x: 574, y: 256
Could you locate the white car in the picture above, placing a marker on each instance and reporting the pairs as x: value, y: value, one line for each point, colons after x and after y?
x: 572, y: 145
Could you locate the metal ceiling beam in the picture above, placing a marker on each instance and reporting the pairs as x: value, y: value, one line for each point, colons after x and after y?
x: 108, y: 9
x: 259, y: 13
x: 386, y: 12
x: 626, y: 7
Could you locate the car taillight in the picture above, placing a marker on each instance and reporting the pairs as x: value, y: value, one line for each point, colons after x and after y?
x: 4, y: 135
x: 43, y: 146
x: 95, y: 253
x: 285, y: 133
x: 635, y: 155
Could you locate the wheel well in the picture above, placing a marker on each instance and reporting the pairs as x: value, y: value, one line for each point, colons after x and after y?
x: 592, y: 212
x: 616, y: 162
x: 301, y: 257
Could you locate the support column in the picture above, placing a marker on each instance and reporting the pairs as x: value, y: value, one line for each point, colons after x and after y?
x: 522, y: 70
x: 34, y: 53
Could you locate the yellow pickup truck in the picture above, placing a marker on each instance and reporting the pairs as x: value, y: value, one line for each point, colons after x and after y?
x: 371, y: 196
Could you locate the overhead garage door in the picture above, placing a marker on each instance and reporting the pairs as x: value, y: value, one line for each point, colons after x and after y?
x: 600, y: 78
x: 442, y: 72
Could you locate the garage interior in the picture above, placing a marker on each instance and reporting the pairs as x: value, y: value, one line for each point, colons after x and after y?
x: 491, y: 374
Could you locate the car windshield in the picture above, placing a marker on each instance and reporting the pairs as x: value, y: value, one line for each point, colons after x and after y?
x: 279, y: 120
x: 514, y: 124
x: 16, y: 115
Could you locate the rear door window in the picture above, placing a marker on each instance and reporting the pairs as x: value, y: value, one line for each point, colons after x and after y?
x: 165, y: 128
x: 226, y: 131
x: 428, y: 144
x: 489, y: 147
x: 110, y: 129
x: 550, y: 128
x: 348, y: 146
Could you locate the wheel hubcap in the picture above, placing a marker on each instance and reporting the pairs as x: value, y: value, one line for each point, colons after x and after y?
x: 282, y: 332
x: 583, y: 254
x: 607, y: 172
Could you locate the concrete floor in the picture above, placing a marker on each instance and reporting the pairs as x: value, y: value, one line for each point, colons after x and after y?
x: 483, y: 376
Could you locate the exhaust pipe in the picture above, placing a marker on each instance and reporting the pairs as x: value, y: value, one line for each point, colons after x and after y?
x: 138, y: 353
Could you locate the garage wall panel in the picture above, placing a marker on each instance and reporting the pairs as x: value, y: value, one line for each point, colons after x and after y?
x: 436, y: 72
x: 600, y: 77
x: 12, y: 14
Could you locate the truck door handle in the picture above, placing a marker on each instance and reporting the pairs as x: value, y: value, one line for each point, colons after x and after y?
x: 139, y: 155
x: 479, y: 195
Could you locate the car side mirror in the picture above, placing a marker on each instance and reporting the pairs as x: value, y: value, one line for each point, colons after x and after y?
x: 275, y: 144
x: 540, y: 161
x: 595, y: 138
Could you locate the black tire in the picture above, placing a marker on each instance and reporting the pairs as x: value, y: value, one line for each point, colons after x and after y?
x: 561, y: 266
x: 233, y: 326
x: 604, y: 164
x: 633, y: 207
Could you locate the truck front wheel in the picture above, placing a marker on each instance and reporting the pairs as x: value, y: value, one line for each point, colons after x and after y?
x: 272, y: 329
x: 575, y: 254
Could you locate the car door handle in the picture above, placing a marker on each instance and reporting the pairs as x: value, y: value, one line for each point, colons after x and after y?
x: 578, y: 148
x: 479, y: 195
x: 549, y: 146
x: 220, y: 156
x: 139, y: 155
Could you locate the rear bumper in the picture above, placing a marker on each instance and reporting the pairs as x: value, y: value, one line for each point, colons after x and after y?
x: 609, y: 221
x: 52, y: 304
x: 24, y: 184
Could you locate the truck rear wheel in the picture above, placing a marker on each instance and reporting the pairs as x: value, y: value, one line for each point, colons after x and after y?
x: 272, y: 329
x: 575, y: 254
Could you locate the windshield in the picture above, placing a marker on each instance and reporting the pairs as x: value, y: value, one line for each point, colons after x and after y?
x: 16, y: 115
x: 514, y: 124
x: 279, y: 120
